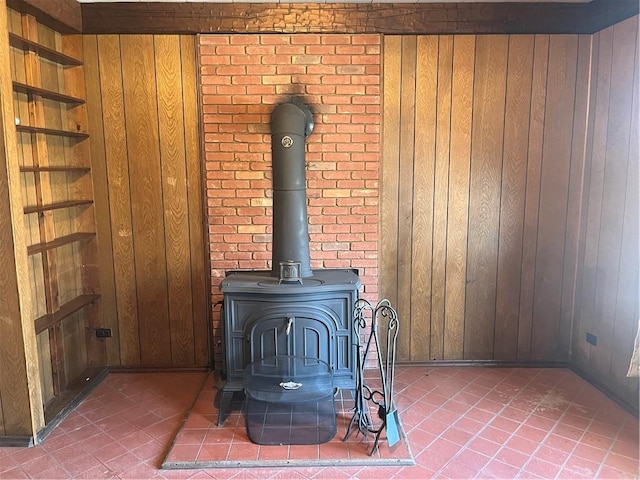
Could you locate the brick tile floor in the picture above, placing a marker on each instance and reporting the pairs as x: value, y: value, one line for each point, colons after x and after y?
x: 461, y: 423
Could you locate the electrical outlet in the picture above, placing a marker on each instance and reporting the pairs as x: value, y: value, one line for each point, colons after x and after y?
x: 103, y: 333
x: 592, y: 339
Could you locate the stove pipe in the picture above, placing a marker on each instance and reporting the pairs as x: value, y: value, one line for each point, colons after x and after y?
x: 291, y: 123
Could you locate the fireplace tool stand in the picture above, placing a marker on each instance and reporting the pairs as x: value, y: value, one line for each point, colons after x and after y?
x: 375, y: 394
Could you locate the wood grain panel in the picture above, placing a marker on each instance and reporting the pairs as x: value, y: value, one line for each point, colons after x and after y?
x: 532, y: 197
x: 405, y: 194
x: 607, y: 270
x: 390, y: 186
x: 109, y: 317
x: 440, y: 193
x: 554, y: 187
x: 613, y: 190
x: 115, y: 144
x: 512, y: 198
x: 626, y: 313
x: 425, y: 140
x: 507, y: 174
x: 602, y: 58
x: 484, y: 203
x: 174, y: 197
x: 579, y: 177
x: 143, y: 151
x: 145, y: 87
x: 458, y: 204
x: 199, y: 290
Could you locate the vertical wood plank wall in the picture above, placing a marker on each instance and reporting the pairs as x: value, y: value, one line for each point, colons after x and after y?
x: 607, y: 286
x: 142, y: 102
x: 482, y: 152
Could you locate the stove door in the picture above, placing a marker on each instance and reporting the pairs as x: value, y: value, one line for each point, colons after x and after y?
x: 299, y: 332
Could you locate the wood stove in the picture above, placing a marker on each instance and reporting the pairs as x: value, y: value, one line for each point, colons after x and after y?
x: 290, y: 310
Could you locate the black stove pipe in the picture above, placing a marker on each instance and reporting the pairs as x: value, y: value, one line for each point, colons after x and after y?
x: 291, y: 123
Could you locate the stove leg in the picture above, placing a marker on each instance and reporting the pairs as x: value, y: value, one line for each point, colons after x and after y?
x: 223, y: 406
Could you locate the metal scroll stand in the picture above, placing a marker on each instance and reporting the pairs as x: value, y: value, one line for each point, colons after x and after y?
x: 380, y: 394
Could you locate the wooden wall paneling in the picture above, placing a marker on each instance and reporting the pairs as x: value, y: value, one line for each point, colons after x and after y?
x: 138, y: 78
x: 406, y: 191
x: 80, y: 185
x: 20, y: 388
x: 105, y: 259
x: 554, y: 188
x: 627, y: 303
x: 425, y: 139
x: 579, y: 178
x: 174, y: 196
x: 579, y: 352
x: 532, y: 198
x: 46, y: 369
x: 484, y: 207
x: 74, y: 345
x: 512, y: 199
x: 389, y: 174
x: 602, y: 57
x: 440, y: 194
x: 199, y: 290
x: 458, y: 201
x: 613, y: 201
x: 115, y: 141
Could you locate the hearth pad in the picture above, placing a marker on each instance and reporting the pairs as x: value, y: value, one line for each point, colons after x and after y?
x: 200, y: 443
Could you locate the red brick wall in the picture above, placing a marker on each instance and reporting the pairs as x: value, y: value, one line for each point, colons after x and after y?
x: 242, y: 78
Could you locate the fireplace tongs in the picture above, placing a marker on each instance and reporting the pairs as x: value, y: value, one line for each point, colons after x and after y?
x: 380, y: 395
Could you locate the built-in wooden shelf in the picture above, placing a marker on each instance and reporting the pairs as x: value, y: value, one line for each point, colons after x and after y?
x: 44, y: 93
x: 51, y: 131
x: 69, y: 308
x: 54, y: 168
x: 56, y: 206
x: 45, y: 52
x: 58, y: 242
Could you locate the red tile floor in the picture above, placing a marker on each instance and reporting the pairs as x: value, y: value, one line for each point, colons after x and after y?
x: 461, y: 423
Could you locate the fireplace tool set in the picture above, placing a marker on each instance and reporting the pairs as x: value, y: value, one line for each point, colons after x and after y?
x: 375, y: 394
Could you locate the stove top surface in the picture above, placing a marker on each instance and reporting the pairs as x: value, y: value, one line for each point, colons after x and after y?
x: 262, y: 281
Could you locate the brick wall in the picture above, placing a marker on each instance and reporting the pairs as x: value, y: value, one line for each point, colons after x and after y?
x: 242, y: 78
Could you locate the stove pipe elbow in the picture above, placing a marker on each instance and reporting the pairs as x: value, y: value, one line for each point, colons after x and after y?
x: 291, y: 124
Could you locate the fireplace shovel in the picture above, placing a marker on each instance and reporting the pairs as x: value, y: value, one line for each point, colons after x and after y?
x: 387, y: 410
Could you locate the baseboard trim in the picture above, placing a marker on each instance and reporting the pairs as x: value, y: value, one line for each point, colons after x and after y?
x: 75, y: 397
x: 631, y: 408
x: 158, y: 369
x: 16, y: 441
x: 485, y: 363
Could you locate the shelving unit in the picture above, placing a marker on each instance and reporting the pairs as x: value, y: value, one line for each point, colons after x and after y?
x: 43, y: 51
x: 57, y: 197
x: 44, y: 93
x: 55, y: 206
x: 51, y: 131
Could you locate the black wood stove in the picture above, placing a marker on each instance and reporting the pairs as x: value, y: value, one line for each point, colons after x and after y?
x: 290, y: 310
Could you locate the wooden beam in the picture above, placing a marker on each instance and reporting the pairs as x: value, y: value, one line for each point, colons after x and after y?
x: 64, y: 16
x: 401, y: 18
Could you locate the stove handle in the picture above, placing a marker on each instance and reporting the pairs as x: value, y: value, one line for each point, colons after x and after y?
x: 289, y: 323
